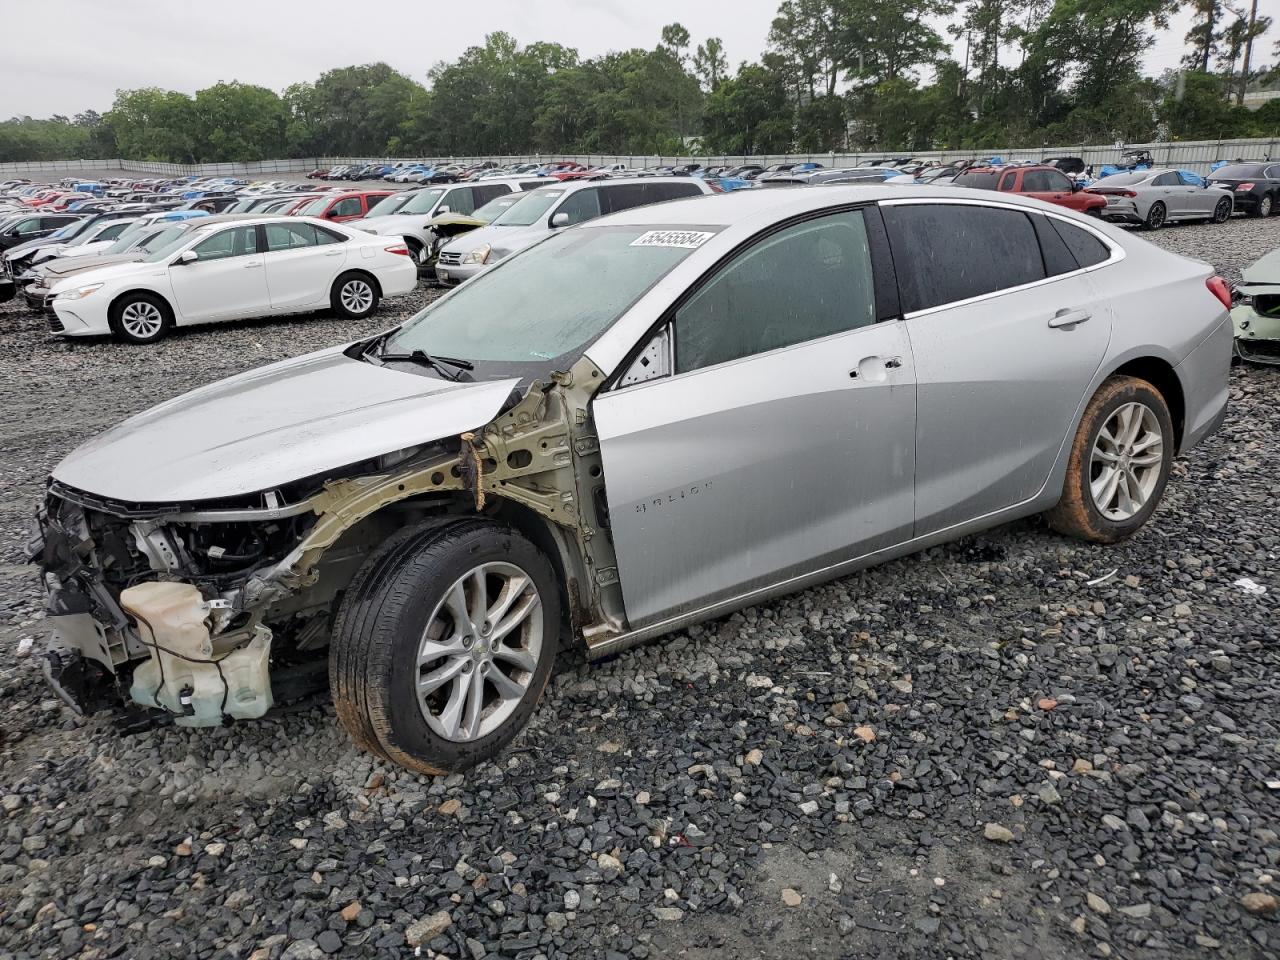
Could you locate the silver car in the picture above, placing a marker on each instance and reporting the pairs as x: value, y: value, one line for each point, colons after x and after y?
x: 549, y: 209
x: 1153, y: 198
x: 642, y: 422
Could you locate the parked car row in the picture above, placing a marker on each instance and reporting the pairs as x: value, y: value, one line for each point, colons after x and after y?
x: 136, y: 272
x: 647, y: 406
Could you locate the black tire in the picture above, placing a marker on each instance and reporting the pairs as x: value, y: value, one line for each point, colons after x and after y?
x: 1157, y: 214
x: 354, y: 295
x: 1263, y: 208
x: 1222, y: 212
x: 1077, y: 514
x: 1095, y: 212
x: 382, y: 620
x: 415, y: 250
x: 132, y: 318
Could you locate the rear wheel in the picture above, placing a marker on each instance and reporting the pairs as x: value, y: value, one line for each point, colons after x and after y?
x: 1156, y: 216
x: 444, y: 644
x: 1222, y: 212
x: 1263, y: 207
x: 354, y: 296
x: 140, y: 318
x: 1120, y: 461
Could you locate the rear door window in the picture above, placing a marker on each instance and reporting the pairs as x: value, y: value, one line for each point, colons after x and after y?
x: 624, y: 196
x: 1166, y: 180
x: 664, y: 190
x: 347, y: 207
x: 944, y: 253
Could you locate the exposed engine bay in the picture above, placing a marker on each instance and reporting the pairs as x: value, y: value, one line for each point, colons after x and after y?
x: 207, y: 613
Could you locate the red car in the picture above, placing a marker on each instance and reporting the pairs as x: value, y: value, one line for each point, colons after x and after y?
x: 43, y: 198
x: 340, y: 207
x: 318, y: 174
x: 1044, y: 183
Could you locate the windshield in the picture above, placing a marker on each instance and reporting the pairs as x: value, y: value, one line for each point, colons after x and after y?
x: 421, y: 201
x: 549, y: 301
x: 1238, y: 171
x: 161, y: 238
x: 166, y: 242
x: 493, y: 209
x: 529, y: 208
x: 314, y: 208
x: 127, y: 237
x: 66, y: 233
x: 389, y: 204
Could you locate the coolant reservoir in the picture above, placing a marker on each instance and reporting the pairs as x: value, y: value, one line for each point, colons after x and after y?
x: 181, y: 675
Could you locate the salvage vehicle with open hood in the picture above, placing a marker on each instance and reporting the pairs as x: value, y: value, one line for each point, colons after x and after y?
x: 1256, y: 315
x: 648, y: 420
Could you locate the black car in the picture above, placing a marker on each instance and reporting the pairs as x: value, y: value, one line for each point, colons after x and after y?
x: 1256, y: 186
x: 34, y: 227
x: 1068, y: 165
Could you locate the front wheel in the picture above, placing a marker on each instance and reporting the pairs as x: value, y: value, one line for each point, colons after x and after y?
x: 1222, y: 212
x: 140, y: 318
x: 1119, y: 465
x: 354, y: 296
x: 444, y: 643
x: 1156, y: 216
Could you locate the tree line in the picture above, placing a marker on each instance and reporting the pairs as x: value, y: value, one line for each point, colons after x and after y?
x: 856, y: 75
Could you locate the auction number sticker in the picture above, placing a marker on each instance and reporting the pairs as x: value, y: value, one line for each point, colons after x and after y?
x: 688, y: 239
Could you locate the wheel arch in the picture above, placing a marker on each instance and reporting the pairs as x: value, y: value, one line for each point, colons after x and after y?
x: 368, y: 275
x: 1160, y: 374
x: 167, y: 305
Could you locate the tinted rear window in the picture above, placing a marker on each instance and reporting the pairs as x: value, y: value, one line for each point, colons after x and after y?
x: 978, y: 179
x: 1238, y: 171
x: 1084, y: 246
x: 944, y: 253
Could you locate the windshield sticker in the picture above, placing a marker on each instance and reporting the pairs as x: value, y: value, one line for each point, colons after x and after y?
x: 688, y: 239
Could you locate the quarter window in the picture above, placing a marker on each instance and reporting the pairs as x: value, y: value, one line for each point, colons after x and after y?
x: 1084, y: 246
x: 1166, y: 180
x: 229, y: 243
x: 810, y: 280
x: 949, y: 252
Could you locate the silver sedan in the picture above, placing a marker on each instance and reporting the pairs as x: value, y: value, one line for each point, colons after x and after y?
x: 649, y: 420
x: 1152, y: 198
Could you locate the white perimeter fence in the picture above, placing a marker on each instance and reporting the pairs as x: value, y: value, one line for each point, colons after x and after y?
x: 1189, y: 155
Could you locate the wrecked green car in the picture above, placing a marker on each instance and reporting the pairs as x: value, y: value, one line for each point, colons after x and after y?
x: 1256, y: 315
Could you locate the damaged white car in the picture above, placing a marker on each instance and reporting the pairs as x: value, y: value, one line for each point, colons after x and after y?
x: 638, y: 423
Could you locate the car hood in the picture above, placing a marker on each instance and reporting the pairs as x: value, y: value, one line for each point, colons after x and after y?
x: 389, y: 224
x: 57, y: 269
x: 1264, y: 270
x: 504, y: 240
x: 117, y: 270
x: 19, y: 250
x: 287, y: 421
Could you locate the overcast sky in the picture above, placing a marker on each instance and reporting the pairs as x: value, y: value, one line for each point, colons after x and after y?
x: 75, y: 54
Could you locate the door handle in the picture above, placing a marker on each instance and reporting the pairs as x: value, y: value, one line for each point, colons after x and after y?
x: 1069, y: 318
x: 873, y: 368
x: 333, y: 253
x: 252, y: 266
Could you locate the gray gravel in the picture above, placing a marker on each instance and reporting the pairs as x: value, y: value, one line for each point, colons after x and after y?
x: 1012, y: 746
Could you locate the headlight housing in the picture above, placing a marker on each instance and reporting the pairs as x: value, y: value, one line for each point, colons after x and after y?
x: 479, y: 255
x: 79, y: 293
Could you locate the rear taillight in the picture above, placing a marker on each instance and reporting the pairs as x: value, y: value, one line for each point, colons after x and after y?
x: 1128, y: 193
x: 402, y: 250
x: 1244, y: 186
x: 1218, y: 287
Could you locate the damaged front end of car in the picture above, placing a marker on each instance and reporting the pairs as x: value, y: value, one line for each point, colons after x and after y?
x: 1256, y: 313
x: 204, y: 613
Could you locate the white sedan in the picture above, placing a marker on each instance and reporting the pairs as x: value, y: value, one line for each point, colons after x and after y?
x: 231, y: 272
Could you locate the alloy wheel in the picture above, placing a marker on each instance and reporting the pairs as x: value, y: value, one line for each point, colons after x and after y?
x: 478, y: 654
x: 1128, y: 455
x: 142, y: 319
x: 1223, y: 211
x: 1264, y: 206
x: 356, y: 296
x: 1155, y: 216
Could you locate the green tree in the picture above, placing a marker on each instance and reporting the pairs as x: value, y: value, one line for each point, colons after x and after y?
x: 709, y: 63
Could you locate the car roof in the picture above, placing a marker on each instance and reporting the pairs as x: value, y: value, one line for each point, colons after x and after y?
x: 739, y: 206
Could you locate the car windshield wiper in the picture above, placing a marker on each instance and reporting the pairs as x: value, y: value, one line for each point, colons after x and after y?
x: 437, y: 363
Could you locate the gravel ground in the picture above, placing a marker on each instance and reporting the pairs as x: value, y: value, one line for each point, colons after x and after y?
x: 1012, y: 746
